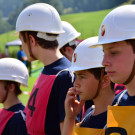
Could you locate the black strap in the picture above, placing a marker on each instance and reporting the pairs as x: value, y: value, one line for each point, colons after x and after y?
x: 99, y: 85
x: 130, y: 76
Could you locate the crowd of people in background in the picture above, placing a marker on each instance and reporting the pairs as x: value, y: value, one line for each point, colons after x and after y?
x: 83, y: 89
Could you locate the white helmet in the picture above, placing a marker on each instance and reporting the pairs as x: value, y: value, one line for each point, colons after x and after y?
x: 86, y: 58
x: 118, y: 25
x: 69, y: 35
x: 39, y: 17
x: 13, y: 70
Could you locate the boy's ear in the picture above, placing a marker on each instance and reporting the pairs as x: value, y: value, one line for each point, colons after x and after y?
x: 32, y: 40
x: 11, y: 87
x: 69, y: 50
x: 106, y: 81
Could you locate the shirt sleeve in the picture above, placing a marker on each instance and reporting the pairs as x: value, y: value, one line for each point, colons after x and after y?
x: 116, y: 99
x: 63, y: 82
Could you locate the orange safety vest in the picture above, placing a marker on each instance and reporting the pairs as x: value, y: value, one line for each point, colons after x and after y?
x: 121, y: 119
x: 87, y: 131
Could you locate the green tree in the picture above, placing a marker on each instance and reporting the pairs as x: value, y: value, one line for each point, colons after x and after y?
x: 14, y: 7
x: 13, y: 16
x: 91, y: 5
x: 4, y: 25
x: 56, y: 3
x: 7, y: 6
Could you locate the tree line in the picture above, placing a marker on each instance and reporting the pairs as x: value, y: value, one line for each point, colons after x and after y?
x: 11, y: 8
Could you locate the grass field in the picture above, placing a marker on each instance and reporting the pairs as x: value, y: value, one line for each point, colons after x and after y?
x: 88, y: 23
x: 24, y: 97
x: 7, y: 37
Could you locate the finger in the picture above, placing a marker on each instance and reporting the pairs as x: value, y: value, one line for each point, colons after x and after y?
x: 72, y: 92
x: 72, y: 89
x: 82, y: 102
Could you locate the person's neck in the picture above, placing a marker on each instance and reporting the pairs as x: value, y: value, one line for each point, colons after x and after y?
x: 47, y: 56
x: 103, y: 101
x: 131, y: 87
x: 9, y: 103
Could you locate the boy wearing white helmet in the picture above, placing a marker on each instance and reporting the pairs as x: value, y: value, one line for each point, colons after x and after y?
x: 117, y: 35
x: 66, y: 40
x: 67, y: 44
x: 13, y: 73
x: 38, y: 26
x: 91, y: 84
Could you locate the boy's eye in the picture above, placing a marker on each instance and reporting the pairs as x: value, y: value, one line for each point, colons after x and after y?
x: 82, y: 76
x: 113, y: 53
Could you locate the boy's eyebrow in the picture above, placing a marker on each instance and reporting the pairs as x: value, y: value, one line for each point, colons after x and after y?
x: 109, y: 48
x: 79, y: 73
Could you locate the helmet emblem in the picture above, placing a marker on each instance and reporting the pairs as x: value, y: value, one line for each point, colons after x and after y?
x: 75, y: 57
x: 103, y: 30
x: 29, y: 14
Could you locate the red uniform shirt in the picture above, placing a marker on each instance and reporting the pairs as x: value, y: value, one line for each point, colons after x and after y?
x: 4, y: 118
x: 35, y: 119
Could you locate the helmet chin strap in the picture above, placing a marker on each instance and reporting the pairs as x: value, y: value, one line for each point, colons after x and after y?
x: 130, y: 76
x: 99, y: 85
x: 29, y: 47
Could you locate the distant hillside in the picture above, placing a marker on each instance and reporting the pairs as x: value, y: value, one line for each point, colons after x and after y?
x: 11, y: 8
x: 8, y: 6
x: 63, y: 6
x: 87, y: 23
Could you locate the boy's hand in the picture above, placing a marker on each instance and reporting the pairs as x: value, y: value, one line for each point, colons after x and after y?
x: 72, y: 105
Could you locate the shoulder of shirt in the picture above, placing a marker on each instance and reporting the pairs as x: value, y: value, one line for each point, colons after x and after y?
x: 16, y: 119
x: 117, y: 97
x: 64, y: 74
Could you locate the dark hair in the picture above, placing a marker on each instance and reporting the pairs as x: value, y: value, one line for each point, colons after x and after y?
x: 17, y: 87
x: 97, y: 74
x: 67, y: 45
x: 132, y: 43
x: 62, y: 50
x: 42, y: 42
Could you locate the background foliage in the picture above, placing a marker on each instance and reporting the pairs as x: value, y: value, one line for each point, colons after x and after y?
x: 86, y: 23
